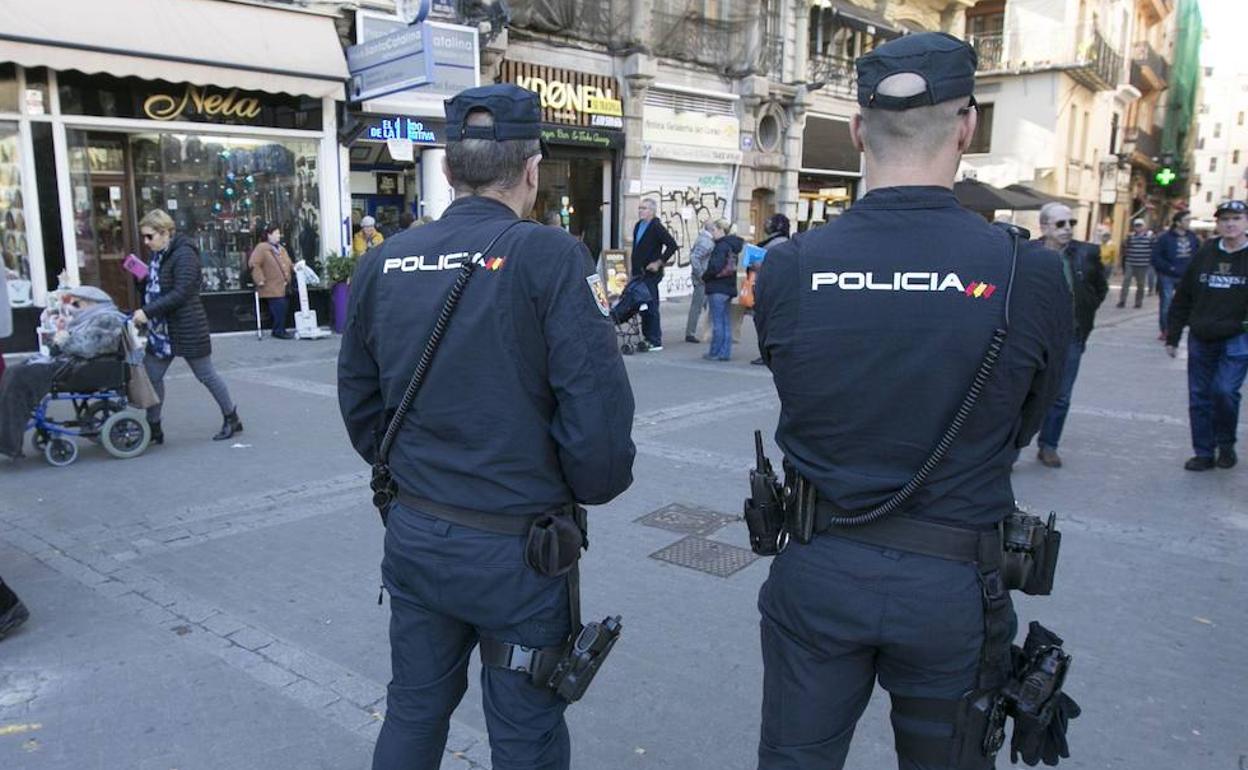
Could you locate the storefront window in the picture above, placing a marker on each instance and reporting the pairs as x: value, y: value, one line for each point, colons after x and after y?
x: 13, y: 244
x: 219, y: 191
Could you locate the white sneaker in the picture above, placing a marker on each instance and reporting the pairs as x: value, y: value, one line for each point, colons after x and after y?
x: 655, y: 348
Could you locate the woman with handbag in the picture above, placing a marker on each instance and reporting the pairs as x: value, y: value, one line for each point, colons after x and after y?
x: 177, y: 324
x: 720, y: 279
x: 272, y: 272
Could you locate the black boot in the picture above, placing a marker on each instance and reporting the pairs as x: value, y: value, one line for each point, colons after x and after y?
x: 229, y: 426
x: 12, y: 612
x: 158, y: 435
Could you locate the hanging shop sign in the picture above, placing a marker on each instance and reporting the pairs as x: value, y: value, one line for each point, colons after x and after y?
x: 133, y: 98
x: 569, y: 98
x: 445, y: 64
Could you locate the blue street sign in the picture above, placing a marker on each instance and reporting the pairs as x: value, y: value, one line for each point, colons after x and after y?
x: 398, y: 75
x: 403, y: 42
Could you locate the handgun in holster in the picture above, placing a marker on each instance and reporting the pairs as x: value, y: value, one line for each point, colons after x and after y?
x: 764, y: 508
x: 1031, y: 548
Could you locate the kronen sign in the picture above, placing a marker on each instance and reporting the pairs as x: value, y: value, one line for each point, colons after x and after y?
x: 564, y: 97
x: 203, y: 102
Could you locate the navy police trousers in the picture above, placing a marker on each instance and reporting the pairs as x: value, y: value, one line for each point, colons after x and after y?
x: 838, y: 614
x: 449, y: 585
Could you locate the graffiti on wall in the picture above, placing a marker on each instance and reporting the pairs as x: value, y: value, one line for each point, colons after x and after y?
x: 683, y: 211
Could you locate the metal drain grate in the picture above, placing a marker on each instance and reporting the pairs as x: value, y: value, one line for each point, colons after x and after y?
x: 686, y: 520
x: 719, y: 559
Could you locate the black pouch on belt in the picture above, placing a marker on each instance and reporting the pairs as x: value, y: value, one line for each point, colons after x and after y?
x: 1030, y: 555
x: 555, y: 541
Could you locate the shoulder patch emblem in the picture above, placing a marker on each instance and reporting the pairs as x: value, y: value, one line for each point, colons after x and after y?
x: 599, y: 293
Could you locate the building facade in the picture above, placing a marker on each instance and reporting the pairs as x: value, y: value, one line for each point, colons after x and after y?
x: 104, y: 117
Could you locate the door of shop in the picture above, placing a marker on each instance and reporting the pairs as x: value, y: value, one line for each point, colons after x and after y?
x: 103, y: 214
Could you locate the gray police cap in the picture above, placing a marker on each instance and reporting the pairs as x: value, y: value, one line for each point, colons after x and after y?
x: 945, y: 63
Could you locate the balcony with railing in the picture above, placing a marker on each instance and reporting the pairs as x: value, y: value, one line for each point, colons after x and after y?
x: 604, y: 22
x: 1143, y: 145
x: 1086, y: 56
x: 836, y: 74
x: 736, y: 46
x: 1149, y: 71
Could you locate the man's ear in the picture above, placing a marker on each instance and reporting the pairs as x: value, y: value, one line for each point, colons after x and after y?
x: 966, y: 129
x: 531, y: 169
x: 855, y: 132
x: 446, y: 171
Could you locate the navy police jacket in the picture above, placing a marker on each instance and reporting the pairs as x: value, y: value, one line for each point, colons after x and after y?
x: 526, y: 405
x: 874, y: 327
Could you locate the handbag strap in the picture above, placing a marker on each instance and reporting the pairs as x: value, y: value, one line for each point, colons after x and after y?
x: 431, y: 345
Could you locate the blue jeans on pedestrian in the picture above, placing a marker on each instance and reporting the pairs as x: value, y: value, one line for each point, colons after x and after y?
x: 651, y: 329
x: 450, y: 586
x: 721, y: 330
x: 1165, y: 291
x: 1055, y: 419
x: 1215, y: 374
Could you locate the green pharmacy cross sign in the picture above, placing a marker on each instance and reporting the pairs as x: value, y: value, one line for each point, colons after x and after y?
x: 1165, y: 176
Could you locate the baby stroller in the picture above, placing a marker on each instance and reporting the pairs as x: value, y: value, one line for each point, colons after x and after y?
x: 627, y: 315
x: 97, y: 390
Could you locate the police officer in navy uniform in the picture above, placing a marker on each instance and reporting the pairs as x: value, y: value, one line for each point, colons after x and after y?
x: 525, y: 408
x: 873, y: 327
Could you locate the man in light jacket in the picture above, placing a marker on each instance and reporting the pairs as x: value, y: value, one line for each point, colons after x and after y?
x: 699, y: 253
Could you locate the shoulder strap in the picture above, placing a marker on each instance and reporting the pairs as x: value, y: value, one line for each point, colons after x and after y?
x: 431, y: 345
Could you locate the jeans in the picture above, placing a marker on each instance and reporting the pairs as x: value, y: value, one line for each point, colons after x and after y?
x: 1215, y: 374
x: 1165, y: 291
x: 697, y: 303
x: 277, y: 311
x: 204, y: 372
x: 1138, y: 273
x: 721, y: 330
x: 651, y: 329
x: 1055, y: 418
x: 449, y: 586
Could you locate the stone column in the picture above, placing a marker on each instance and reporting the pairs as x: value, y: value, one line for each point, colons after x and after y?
x: 639, y: 73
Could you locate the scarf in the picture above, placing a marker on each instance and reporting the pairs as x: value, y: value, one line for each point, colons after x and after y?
x: 158, y: 342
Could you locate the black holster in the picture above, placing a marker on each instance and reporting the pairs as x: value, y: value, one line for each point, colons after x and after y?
x: 555, y: 540
x: 1031, y: 547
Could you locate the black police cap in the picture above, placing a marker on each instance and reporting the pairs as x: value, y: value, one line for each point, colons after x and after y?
x: 1231, y: 207
x: 945, y: 63
x: 517, y: 113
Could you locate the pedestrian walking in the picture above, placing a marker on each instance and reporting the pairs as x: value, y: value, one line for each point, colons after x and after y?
x: 720, y: 278
x: 653, y: 248
x: 1212, y: 298
x: 1081, y: 266
x: 272, y: 272
x: 366, y: 238
x: 699, y: 253
x: 1172, y: 253
x: 1137, y: 256
x: 177, y: 325
x: 872, y: 326
x: 524, y: 414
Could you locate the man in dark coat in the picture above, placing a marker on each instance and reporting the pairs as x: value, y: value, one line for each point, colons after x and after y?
x: 1172, y: 253
x: 1085, y: 275
x: 653, y: 247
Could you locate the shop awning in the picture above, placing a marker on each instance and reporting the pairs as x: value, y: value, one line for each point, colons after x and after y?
x: 1040, y: 198
x: 856, y: 17
x: 205, y: 42
x: 981, y: 196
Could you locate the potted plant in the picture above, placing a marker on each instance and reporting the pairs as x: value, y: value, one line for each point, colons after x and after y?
x: 338, y: 270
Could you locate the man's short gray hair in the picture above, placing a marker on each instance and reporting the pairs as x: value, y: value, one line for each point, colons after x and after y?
x: 479, y: 165
x: 918, y: 131
x: 651, y: 202
x: 1046, y: 211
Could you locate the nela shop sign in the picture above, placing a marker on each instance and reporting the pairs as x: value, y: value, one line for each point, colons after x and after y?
x: 206, y: 103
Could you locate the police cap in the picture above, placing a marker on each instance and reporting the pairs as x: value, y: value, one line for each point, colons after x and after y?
x: 1231, y: 207
x: 517, y: 113
x: 945, y: 63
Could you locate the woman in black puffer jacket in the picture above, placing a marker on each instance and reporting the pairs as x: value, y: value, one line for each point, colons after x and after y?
x: 177, y: 324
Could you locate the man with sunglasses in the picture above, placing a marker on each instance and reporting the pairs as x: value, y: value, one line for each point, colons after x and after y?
x: 1085, y: 275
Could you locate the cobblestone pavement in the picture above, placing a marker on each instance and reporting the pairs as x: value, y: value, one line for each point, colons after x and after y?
x: 213, y: 605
